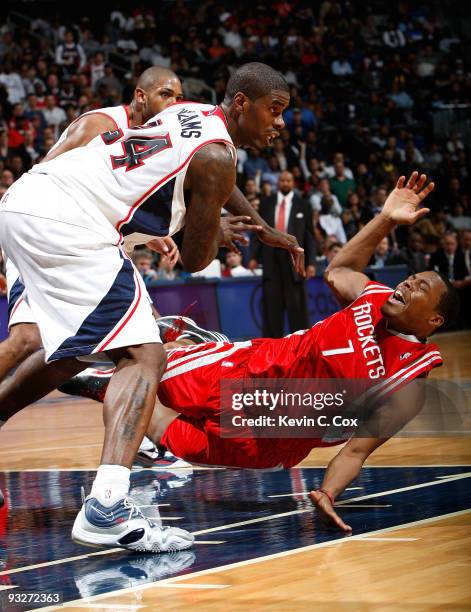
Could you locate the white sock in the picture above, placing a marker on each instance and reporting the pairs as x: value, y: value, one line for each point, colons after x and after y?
x: 111, y: 484
x: 147, y: 444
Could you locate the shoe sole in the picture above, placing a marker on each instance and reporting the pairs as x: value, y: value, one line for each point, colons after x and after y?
x: 80, y: 536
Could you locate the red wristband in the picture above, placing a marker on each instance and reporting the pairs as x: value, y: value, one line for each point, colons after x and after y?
x: 329, y: 495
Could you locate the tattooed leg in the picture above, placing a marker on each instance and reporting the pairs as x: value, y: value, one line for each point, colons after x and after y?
x: 129, y: 401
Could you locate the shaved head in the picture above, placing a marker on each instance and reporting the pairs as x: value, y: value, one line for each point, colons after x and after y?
x: 156, y: 89
x: 153, y: 76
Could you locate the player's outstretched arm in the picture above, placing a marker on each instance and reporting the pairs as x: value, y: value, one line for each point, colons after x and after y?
x: 345, y: 272
x: 237, y: 204
x: 211, y: 179
x: 383, y: 423
x: 81, y: 132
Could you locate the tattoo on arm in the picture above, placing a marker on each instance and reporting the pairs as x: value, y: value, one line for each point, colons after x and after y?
x: 210, y: 178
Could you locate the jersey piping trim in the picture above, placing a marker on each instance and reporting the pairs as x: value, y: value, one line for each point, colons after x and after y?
x: 128, y: 117
x: 403, y: 375
x: 163, y: 180
x: 97, y: 112
x: 126, y: 317
x: 15, y: 307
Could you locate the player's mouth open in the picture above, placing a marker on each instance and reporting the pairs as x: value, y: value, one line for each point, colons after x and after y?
x: 271, y: 138
x: 398, y: 298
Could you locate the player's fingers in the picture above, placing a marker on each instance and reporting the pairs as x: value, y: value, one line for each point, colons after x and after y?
x: 400, y: 182
x: 420, y: 182
x: 240, y: 219
x: 424, y: 193
x: 412, y: 179
x: 242, y: 227
x: 420, y: 213
x: 298, y: 263
x: 240, y: 238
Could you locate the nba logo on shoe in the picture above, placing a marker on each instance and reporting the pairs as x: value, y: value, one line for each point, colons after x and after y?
x: 405, y: 356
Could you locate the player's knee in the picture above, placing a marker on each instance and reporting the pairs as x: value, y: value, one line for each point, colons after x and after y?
x: 26, y: 339
x: 150, y: 356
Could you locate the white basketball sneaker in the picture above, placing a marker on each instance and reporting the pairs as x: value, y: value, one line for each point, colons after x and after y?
x: 124, y: 525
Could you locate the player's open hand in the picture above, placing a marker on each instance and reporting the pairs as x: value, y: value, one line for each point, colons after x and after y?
x: 326, y: 512
x: 231, y: 231
x: 402, y: 204
x: 274, y: 238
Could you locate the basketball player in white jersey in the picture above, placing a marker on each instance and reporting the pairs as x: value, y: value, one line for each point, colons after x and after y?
x: 156, y: 89
x: 63, y: 224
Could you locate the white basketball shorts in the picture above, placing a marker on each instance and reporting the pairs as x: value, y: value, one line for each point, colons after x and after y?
x: 84, y: 292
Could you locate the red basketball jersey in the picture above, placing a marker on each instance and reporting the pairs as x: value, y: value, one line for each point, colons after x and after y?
x: 354, y: 343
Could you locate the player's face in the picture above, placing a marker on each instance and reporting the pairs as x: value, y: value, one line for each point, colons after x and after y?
x: 412, y: 307
x: 261, y: 120
x: 165, y: 92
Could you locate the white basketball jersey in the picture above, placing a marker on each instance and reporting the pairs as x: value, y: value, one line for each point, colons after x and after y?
x: 119, y: 114
x: 132, y: 178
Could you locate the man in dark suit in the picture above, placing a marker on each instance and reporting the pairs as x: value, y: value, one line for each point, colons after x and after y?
x: 283, y: 289
x: 450, y: 261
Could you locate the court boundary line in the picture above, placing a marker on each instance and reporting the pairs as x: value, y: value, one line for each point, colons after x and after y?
x: 206, y: 468
x: 256, y: 560
x: 227, y: 526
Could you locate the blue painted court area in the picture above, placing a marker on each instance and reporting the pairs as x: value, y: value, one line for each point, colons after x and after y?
x: 247, y: 514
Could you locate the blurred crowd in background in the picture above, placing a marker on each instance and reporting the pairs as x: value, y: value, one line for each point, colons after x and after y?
x: 378, y: 89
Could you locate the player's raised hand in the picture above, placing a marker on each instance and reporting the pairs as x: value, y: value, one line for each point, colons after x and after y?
x: 402, y: 204
x: 326, y: 511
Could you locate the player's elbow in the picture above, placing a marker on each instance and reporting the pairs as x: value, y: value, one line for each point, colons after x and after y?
x: 192, y: 263
x: 331, y: 274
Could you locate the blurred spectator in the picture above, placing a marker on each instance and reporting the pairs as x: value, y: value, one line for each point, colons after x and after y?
x: 386, y: 256
x: 69, y: 54
x: 53, y: 114
x: 13, y: 83
x: 109, y: 85
x: 449, y: 259
x: 323, y: 189
x: 96, y: 69
x: 414, y: 253
x: 330, y: 251
x: 273, y: 173
x: 234, y: 266
x: 144, y: 263
x: 255, y: 165
x: 329, y: 171
x: 393, y: 37
x: 330, y: 222
x: 7, y: 178
x: 340, y: 185
x: 166, y: 269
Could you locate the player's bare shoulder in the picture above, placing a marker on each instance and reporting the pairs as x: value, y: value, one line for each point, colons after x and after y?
x: 81, y: 131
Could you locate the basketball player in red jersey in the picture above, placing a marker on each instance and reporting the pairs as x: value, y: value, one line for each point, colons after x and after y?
x: 379, y: 335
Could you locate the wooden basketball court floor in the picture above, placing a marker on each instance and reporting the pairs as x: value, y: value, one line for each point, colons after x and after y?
x: 258, y: 545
